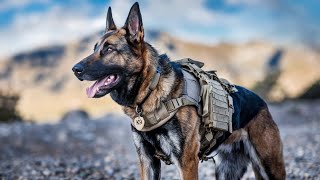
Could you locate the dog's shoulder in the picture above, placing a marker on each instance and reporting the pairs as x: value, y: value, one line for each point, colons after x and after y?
x: 247, y: 105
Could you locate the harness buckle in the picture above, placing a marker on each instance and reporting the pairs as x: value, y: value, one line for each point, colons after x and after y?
x: 207, y: 127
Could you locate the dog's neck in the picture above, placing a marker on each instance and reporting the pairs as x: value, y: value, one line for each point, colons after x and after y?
x: 167, y: 87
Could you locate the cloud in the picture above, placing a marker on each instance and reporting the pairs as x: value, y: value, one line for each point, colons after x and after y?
x: 187, y: 19
x: 55, y: 26
x: 9, y: 4
x: 60, y: 25
x: 279, y: 21
x: 246, y: 2
x: 167, y: 13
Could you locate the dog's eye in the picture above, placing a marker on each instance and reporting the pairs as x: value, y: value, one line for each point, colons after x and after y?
x: 106, y: 50
x: 109, y: 49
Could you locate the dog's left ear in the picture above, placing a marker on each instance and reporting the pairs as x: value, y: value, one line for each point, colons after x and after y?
x: 134, y: 24
x: 110, y: 25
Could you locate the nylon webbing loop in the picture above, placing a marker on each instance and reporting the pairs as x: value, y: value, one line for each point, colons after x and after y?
x: 175, y: 104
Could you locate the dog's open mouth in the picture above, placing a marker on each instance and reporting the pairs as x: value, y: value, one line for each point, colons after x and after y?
x: 103, y: 86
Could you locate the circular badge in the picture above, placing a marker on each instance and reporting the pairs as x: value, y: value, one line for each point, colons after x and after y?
x: 139, y: 123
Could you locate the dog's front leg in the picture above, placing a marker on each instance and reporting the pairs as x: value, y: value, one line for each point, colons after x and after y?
x: 189, y: 162
x: 188, y: 158
x: 150, y: 166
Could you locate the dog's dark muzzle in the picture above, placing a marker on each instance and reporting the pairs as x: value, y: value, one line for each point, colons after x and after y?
x: 95, y: 70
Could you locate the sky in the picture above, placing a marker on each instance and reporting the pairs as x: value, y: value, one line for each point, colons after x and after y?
x: 29, y: 24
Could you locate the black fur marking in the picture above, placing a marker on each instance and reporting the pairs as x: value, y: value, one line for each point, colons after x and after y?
x: 98, y: 70
x: 149, y: 151
x: 268, y: 171
x: 124, y: 96
x: 247, y: 105
x: 165, y: 64
x: 234, y: 163
x: 177, y: 69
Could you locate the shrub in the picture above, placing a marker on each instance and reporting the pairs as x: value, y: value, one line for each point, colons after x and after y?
x: 8, y: 107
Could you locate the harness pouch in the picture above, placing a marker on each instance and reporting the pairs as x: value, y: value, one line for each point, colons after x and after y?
x: 216, y: 102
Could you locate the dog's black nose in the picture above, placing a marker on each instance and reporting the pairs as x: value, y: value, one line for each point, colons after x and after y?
x: 78, y: 69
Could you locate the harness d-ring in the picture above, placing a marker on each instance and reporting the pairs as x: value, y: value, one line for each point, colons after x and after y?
x: 138, y: 110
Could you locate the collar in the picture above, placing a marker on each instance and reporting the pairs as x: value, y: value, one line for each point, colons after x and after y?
x: 153, y: 85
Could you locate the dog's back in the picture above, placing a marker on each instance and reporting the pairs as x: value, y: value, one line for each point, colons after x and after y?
x: 247, y: 105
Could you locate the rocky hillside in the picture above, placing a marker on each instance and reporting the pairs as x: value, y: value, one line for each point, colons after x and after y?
x: 79, y: 147
x: 47, y: 87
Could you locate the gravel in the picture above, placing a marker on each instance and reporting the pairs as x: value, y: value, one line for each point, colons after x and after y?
x: 82, y: 148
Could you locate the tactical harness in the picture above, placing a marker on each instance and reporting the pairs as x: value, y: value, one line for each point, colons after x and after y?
x: 202, y: 89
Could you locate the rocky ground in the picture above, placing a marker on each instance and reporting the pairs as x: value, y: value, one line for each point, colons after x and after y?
x: 79, y: 148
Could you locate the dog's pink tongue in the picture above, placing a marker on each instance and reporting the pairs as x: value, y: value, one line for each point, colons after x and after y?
x: 92, y: 90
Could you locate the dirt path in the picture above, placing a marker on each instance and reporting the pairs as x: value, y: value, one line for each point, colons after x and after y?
x: 79, y: 148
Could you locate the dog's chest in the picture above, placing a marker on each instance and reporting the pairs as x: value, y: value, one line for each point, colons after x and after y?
x: 166, y: 140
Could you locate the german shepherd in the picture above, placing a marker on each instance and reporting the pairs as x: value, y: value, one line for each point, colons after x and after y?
x: 123, y: 64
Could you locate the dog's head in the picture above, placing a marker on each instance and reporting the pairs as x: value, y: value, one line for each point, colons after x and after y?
x: 116, y: 56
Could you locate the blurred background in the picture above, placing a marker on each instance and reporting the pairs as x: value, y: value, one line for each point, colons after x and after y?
x: 271, y: 47
x: 268, y: 46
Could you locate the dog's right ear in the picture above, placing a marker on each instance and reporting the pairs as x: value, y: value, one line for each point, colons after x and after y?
x: 110, y: 25
x: 134, y: 24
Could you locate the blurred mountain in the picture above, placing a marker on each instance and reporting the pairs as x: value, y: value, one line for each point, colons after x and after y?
x: 313, y: 92
x: 48, y: 88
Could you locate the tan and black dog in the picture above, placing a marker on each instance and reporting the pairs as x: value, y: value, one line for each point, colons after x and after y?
x: 123, y: 64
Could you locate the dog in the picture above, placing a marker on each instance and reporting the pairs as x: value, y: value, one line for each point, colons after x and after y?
x: 123, y: 64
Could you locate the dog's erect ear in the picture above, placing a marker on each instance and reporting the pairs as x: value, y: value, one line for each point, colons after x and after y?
x: 134, y: 24
x: 109, y: 22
